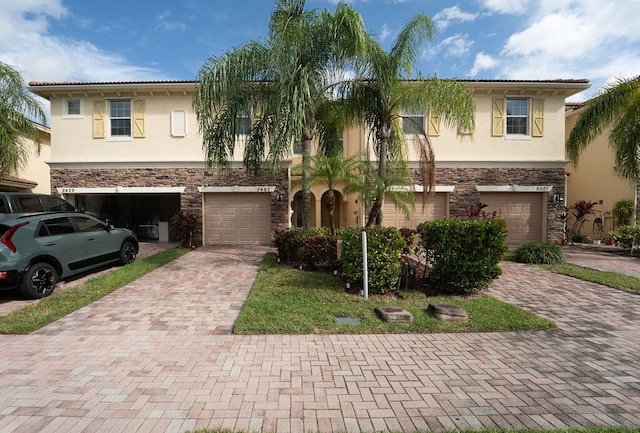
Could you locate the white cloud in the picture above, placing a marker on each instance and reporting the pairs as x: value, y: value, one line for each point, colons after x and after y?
x: 483, y: 62
x: 26, y: 44
x: 455, y: 46
x: 164, y: 24
x: 386, y: 32
x: 510, y: 7
x: 453, y: 14
x: 575, y: 39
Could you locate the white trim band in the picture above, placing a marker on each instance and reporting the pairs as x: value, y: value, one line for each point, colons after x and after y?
x: 514, y: 188
x: 124, y: 190
x: 237, y: 188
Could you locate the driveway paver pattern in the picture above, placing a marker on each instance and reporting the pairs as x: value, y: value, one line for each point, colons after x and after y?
x: 158, y: 356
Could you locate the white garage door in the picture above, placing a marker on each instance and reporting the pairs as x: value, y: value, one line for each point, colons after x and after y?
x: 237, y: 218
x: 436, y: 208
x: 523, y: 213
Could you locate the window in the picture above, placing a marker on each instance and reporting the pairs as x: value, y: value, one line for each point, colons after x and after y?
x: 120, y: 118
x: 55, y: 226
x: 71, y: 108
x: 517, y: 116
x: 88, y: 225
x: 243, y: 121
x: 413, y: 123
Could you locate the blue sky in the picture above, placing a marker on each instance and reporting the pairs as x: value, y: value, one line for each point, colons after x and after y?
x: 131, y: 40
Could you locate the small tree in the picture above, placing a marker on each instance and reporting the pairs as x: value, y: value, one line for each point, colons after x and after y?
x: 184, y: 224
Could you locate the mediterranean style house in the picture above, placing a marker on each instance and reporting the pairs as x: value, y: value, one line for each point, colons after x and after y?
x: 131, y: 152
x: 595, y: 178
x: 34, y: 177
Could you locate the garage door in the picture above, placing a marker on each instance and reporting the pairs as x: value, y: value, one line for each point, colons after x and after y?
x: 523, y: 213
x: 436, y: 208
x: 237, y: 218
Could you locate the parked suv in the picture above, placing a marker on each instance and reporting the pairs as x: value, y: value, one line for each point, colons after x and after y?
x: 19, y: 202
x: 39, y: 249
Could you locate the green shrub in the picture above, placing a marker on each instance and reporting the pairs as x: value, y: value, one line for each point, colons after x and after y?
x: 628, y: 236
x: 623, y: 211
x: 539, y: 253
x: 384, y: 246
x: 313, y: 250
x: 463, y: 256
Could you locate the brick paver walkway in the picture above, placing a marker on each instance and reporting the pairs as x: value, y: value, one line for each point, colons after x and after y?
x: 157, y: 356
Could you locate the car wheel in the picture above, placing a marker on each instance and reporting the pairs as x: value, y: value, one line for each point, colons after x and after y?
x: 39, y: 281
x: 127, y: 253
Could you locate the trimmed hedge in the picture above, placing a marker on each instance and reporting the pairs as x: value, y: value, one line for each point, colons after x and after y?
x: 316, y: 249
x: 384, y: 246
x: 463, y: 255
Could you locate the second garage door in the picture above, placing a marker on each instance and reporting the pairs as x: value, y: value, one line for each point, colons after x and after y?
x: 522, y: 212
x: 436, y: 208
x: 237, y: 218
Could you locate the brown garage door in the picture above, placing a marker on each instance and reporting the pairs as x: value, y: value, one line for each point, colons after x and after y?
x: 436, y: 208
x: 521, y: 211
x: 237, y: 218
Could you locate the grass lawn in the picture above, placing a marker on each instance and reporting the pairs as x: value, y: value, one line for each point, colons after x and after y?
x: 288, y: 301
x: 611, y: 279
x: 34, y: 316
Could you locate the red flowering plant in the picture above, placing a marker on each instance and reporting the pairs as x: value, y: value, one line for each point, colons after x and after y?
x: 580, y: 210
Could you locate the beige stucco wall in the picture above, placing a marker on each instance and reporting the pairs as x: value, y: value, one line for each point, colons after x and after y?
x: 481, y: 146
x: 594, y: 178
x: 73, y: 139
x: 37, y: 169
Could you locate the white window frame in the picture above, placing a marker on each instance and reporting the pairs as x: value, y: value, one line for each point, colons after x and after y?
x: 246, y: 113
x: 408, y: 114
x: 65, y: 109
x: 507, y: 116
x: 119, y: 137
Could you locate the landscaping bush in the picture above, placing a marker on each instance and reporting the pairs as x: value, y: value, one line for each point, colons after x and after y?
x: 539, y: 253
x: 185, y: 224
x: 384, y: 246
x: 313, y: 250
x: 463, y: 256
x: 628, y: 236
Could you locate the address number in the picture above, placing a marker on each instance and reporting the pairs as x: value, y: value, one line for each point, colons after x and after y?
x: 264, y: 189
x: 67, y: 190
x: 543, y: 188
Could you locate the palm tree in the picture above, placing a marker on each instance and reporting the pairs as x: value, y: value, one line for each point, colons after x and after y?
x: 387, y: 90
x: 331, y: 171
x: 618, y: 105
x: 18, y: 111
x: 282, y: 81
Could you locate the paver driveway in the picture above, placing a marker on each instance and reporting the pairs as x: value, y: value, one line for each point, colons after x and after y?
x: 157, y: 356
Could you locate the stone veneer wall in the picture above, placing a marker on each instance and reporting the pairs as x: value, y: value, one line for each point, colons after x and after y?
x: 465, y: 194
x: 190, y: 178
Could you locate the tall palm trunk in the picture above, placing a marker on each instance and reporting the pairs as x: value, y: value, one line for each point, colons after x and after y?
x: 375, y: 214
x: 307, y: 138
x: 331, y: 207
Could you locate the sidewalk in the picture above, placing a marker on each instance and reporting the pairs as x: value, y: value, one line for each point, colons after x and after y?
x: 158, y: 356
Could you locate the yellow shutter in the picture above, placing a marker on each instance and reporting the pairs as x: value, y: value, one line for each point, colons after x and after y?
x: 433, y: 126
x: 98, y: 119
x: 498, y: 114
x: 538, y: 118
x: 138, y: 119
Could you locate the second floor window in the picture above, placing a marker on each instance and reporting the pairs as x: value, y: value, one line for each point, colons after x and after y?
x: 243, y: 121
x: 517, y: 116
x: 120, y: 118
x: 413, y: 123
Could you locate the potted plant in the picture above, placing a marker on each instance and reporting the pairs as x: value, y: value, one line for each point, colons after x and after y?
x: 580, y: 210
